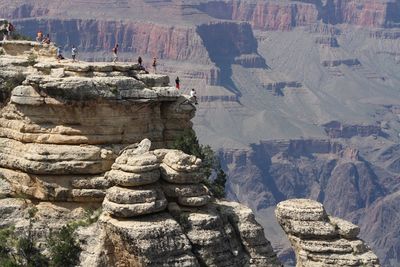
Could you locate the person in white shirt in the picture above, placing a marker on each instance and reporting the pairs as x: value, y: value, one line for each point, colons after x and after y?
x: 193, y: 96
x: 74, y: 51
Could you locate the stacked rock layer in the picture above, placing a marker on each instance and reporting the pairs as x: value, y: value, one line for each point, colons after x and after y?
x: 322, y: 240
x: 63, y: 124
x: 160, y: 208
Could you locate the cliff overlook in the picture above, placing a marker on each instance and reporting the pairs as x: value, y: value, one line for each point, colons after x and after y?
x: 71, y: 139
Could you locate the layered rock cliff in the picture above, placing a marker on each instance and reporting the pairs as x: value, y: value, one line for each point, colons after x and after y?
x: 301, y: 71
x: 69, y: 140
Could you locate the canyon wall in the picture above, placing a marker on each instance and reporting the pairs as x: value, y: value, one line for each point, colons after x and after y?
x: 285, y: 15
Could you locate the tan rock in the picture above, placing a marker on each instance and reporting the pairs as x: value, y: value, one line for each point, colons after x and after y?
x: 346, y: 229
x: 133, y: 210
x: 133, y: 179
x: 179, y: 161
x: 134, y: 195
x: 153, y: 80
x: 173, y: 176
x: 319, y: 240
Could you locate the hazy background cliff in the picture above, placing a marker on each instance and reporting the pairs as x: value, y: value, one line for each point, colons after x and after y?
x: 301, y: 98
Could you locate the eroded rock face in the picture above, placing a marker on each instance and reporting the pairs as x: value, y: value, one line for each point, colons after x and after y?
x: 321, y: 240
x: 219, y: 234
x: 69, y: 140
x: 63, y: 124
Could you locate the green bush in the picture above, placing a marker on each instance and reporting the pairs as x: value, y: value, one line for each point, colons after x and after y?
x: 13, y: 82
x: 215, y: 176
x: 32, y: 59
x: 63, y: 248
x: 22, y: 251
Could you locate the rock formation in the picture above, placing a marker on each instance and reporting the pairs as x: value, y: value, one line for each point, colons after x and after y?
x: 321, y: 240
x: 71, y: 138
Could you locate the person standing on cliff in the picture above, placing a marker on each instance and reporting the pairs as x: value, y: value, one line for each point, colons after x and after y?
x: 177, y: 82
x: 9, y: 29
x: 74, y: 51
x: 154, y: 65
x: 140, y: 61
x: 115, y: 53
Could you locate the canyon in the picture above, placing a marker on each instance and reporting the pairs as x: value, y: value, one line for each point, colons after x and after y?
x: 300, y: 98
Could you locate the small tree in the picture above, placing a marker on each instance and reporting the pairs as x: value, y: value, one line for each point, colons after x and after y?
x: 215, y: 177
x: 63, y: 247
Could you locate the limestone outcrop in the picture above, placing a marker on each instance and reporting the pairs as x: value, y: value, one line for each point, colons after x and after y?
x: 321, y: 240
x: 71, y: 139
x: 63, y: 124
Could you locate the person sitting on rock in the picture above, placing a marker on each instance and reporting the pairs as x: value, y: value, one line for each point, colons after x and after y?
x: 74, y: 51
x: 39, y: 36
x: 193, y: 96
x: 177, y: 83
x: 59, y: 54
x: 46, y: 40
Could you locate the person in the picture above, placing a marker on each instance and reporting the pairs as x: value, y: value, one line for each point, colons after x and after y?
x: 140, y: 61
x: 46, y: 40
x: 59, y: 54
x: 115, y: 53
x: 39, y: 36
x: 154, y: 64
x: 9, y: 29
x: 177, y: 82
x: 193, y: 96
x: 74, y: 51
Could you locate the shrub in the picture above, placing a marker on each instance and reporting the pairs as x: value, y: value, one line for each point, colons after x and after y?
x: 63, y: 248
x: 13, y: 82
x: 215, y: 176
x: 32, y: 59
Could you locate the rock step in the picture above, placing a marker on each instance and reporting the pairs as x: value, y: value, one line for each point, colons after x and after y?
x: 123, y: 178
x: 134, y: 195
x: 133, y: 210
x: 176, y: 177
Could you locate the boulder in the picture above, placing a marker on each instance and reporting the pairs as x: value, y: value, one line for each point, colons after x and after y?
x: 173, y: 176
x: 320, y: 240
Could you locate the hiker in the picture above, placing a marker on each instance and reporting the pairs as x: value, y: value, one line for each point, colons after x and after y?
x: 9, y: 29
x: 140, y: 61
x: 193, y: 96
x: 154, y: 64
x: 74, y: 51
x: 177, y: 82
x: 46, y: 40
x: 59, y: 54
x: 115, y: 53
x: 39, y: 36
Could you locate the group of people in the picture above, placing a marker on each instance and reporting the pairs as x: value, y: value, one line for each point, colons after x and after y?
x: 41, y: 39
x: 115, y: 50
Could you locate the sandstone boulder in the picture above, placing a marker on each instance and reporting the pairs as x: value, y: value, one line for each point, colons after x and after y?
x: 320, y: 240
